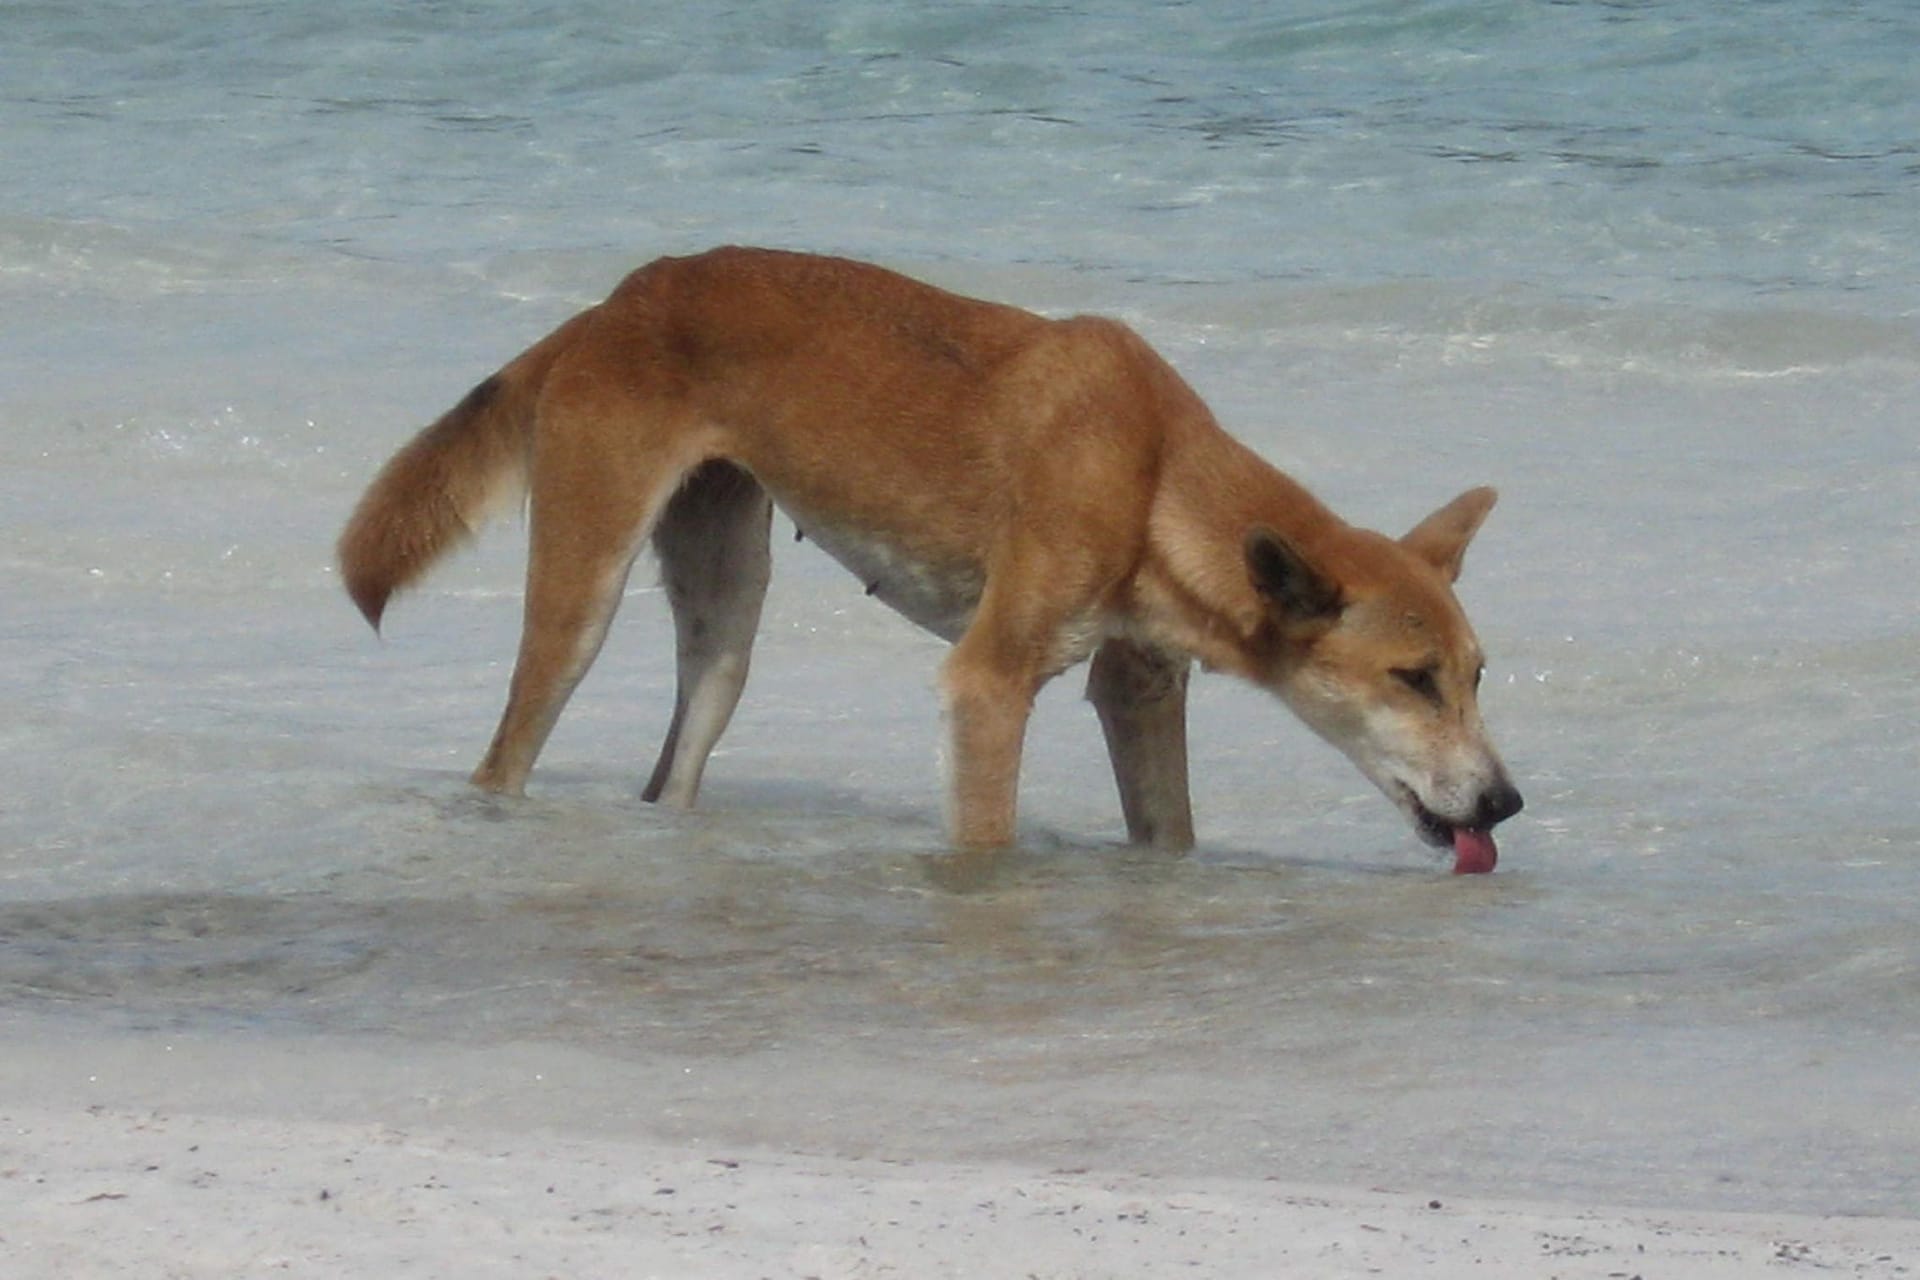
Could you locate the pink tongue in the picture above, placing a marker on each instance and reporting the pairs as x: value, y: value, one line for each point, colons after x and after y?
x: 1473, y: 852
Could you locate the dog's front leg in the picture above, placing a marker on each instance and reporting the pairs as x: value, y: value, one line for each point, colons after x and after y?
x: 1141, y: 697
x: 990, y: 679
x: 987, y: 724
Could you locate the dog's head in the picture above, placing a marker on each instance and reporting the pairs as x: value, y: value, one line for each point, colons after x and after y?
x: 1375, y: 654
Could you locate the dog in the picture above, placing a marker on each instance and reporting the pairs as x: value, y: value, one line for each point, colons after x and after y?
x: 1035, y: 491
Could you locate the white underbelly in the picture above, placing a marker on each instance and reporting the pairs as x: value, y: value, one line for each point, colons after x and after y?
x: 940, y: 598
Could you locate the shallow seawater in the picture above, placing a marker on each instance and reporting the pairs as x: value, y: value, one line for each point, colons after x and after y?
x: 239, y: 816
x: 236, y: 823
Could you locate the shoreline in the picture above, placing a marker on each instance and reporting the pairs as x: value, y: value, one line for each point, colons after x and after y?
x: 110, y: 1190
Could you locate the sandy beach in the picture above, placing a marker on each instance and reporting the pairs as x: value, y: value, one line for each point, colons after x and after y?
x: 237, y: 1155
x: 104, y: 1191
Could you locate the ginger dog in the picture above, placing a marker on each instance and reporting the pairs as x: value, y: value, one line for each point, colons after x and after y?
x: 1034, y: 491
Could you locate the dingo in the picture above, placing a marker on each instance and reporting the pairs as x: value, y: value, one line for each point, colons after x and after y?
x: 1035, y: 491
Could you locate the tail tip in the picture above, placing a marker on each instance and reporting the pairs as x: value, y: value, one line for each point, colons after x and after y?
x: 371, y: 601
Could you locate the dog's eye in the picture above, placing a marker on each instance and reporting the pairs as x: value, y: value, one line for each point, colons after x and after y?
x: 1421, y: 680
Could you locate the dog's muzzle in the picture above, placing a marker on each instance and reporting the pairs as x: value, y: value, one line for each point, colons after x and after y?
x: 1471, y: 839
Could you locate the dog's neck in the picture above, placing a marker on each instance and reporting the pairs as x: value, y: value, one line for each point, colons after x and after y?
x: 1213, y: 491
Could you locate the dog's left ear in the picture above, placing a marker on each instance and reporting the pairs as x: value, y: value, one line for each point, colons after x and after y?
x: 1283, y: 576
x: 1441, y: 539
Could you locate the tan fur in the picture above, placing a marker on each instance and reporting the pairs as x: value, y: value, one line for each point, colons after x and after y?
x: 1037, y: 491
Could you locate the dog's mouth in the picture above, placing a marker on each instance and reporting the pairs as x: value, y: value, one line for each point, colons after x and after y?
x: 1474, y: 851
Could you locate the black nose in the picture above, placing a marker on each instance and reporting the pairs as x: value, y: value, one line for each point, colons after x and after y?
x: 1497, y: 804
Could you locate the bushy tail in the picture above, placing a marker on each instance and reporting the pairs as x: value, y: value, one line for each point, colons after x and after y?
x: 439, y: 489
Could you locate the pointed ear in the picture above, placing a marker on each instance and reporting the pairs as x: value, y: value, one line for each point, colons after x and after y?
x: 1441, y: 539
x: 1295, y: 587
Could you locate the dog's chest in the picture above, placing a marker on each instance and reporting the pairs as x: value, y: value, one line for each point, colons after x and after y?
x: 939, y: 597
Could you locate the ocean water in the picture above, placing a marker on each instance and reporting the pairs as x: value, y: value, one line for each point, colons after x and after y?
x: 1651, y: 268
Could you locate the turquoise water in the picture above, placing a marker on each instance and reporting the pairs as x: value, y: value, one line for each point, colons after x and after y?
x: 1681, y: 151
x: 1649, y: 268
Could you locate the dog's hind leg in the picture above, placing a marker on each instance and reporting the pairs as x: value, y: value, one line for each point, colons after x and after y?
x: 1141, y: 697
x: 715, y: 562
x: 590, y: 508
